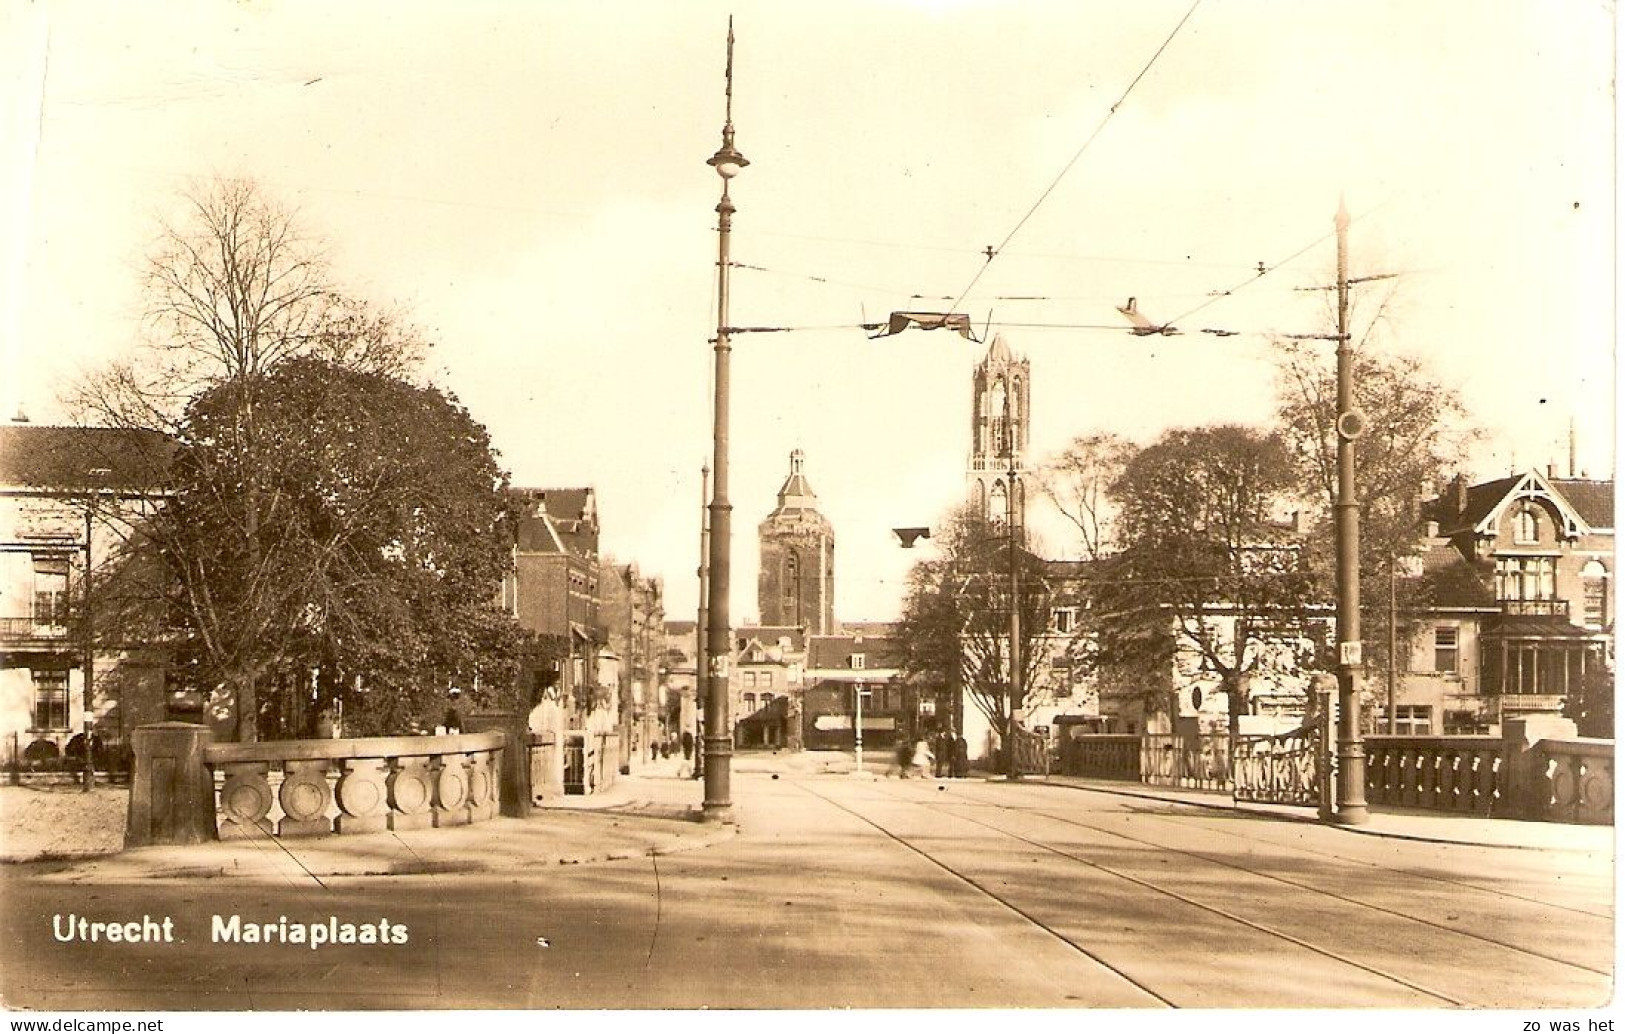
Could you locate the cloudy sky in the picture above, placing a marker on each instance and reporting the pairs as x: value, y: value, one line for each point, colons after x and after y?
x: 529, y: 182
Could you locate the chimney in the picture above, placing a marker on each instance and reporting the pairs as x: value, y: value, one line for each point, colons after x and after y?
x: 1433, y: 529
x: 1572, y: 447
x: 1460, y: 486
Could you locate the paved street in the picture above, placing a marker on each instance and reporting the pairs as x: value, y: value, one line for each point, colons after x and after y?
x: 878, y: 893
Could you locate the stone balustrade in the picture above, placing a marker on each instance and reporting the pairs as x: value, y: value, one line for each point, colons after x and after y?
x: 317, y: 787
x: 1577, y: 777
x: 1467, y: 775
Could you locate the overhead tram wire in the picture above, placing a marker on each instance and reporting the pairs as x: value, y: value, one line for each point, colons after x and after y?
x: 993, y: 253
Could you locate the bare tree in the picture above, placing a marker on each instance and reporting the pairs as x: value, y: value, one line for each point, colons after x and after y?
x: 232, y: 289
x: 1078, y: 482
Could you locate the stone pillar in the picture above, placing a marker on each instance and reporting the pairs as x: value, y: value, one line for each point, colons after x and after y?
x: 171, y: 788
x: 1526, y: 787
x: 513, y: 786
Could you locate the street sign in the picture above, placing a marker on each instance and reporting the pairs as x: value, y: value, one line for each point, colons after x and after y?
x: 1349, y: 653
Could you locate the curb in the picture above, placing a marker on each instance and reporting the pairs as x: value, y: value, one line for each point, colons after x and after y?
x: 1305, y: 819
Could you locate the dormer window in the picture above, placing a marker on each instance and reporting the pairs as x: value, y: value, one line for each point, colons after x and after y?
x: 1526, y: 527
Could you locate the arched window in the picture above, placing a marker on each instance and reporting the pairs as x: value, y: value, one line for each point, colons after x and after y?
x: 998, y: 505
x: 1594, y: 582
x: 1526, y: 527
x: 750, y: 703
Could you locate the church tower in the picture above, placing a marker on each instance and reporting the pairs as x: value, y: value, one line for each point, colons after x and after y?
x: 1000, y: 418
x: 796, y: 586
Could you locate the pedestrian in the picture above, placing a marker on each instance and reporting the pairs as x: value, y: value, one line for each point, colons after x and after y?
x: 961, y: 765
x: 923, y: 757
x: 905, y: 756
x: 688, y: 744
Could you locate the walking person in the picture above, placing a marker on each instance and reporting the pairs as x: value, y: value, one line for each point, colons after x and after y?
x: 922, y: 757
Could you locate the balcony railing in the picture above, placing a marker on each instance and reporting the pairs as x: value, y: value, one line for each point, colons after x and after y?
x: 12, y: 629
x: 1535, y: 608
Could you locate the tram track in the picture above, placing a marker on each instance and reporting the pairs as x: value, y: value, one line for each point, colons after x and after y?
x: 1311, y: 888
x: 1412, y: 873
x: 956, y: 809
x: 991, y: 894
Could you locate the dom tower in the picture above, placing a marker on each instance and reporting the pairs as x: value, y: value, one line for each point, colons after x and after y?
x: 1000, y: 418
x: 796, y: 586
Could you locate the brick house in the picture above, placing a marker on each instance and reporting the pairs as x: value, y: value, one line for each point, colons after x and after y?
x: 553, y: 590
x: 1523, y: 604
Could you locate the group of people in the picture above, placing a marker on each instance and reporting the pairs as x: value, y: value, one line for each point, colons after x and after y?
x: 940, y: 755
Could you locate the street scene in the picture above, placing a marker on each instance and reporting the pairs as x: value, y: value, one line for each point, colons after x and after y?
x: 907, y: 506
x: 966, y: 894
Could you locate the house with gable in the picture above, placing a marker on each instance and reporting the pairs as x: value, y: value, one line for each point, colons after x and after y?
x: 1522, y: 576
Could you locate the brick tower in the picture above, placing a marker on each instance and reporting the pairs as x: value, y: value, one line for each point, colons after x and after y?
x: 796, y: 586
x: 1000, y: 418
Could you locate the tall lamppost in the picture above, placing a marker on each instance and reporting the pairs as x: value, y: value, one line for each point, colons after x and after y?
x: 1351, y: 804
x: 719, y: 636
x: 88, y: 629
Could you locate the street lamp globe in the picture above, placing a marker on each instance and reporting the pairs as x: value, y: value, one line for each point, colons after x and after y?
x: 727, y: 161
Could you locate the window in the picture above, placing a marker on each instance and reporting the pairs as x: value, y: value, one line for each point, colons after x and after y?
x: 1413, y: 720
x: 1523, y: 578
x: 50, y: 699
x: 764, y: 678
x: 767, y: 700
x: 1462, y: 723
x: 856, y: 661
x: 750, y: 703
x: 1065, y: 619
x: 1525, y: 527
x: 1595, y: 584
x: 50, y: 590
x: 1446, y: 649
x: 748, y: 678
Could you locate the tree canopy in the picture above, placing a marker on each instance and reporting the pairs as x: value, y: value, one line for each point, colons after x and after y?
x: 1210, y: 565
x: 373, y: 563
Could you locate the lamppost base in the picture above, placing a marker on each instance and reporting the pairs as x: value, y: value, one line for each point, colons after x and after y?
x: 1352, y: 815
x: 719, y: 814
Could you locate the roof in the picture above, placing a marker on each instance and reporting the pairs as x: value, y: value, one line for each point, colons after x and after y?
x: 1592, y: 500
x: 835, y: 651
x: 769, y: 635
x: 1531, y: 626
x: 868, y: 628
x: 796, y: 493
x: 79, y: 458
x: 558, y: 520
x: 1461, y: 508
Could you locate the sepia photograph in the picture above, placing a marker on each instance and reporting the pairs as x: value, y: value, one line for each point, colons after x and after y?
x: 936, y: 511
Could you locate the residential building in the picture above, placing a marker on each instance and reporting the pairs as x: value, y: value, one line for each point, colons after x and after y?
x: 553, y: 590
x: 71, y: 502
x: 841, y: 666
x: 633, y: 616
x: 1522, y: 576
x: 765, y: 681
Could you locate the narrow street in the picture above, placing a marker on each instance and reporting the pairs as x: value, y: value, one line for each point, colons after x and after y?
x: 864, y: 893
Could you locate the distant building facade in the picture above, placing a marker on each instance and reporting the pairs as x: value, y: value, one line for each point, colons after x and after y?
x: 553, y: 589
x: 71, y: 502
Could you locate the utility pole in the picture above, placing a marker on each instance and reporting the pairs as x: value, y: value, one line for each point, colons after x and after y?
x: 1015, y: 600
x: 1351, y: 804
x: 1393, y: 640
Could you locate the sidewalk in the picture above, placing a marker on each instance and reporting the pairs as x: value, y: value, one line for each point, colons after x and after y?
x: 639, y: 816
x: 1396, y: 823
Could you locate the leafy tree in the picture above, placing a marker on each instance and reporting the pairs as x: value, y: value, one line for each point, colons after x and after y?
x: 1206, y: 568
x: 378, y: 551
x: 1416, y: 432
x: 233, y: 289
x: 955, y: 627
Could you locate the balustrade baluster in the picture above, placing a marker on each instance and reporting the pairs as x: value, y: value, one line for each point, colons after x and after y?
x: 363, y: 797
x: 304, y: 796
x: 245, y: 800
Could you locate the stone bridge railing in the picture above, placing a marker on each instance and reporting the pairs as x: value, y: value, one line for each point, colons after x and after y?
x: 185, y: 789
x: 355, y: 785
